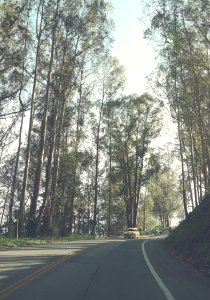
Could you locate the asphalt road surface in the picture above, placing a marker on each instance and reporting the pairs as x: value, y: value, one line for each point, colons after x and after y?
x: 99, y: 270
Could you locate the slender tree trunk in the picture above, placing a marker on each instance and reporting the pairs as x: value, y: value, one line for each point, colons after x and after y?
x: 135, y: 186
x: 49, y: 165
x: 63, y: 97
x: 125, y: 188
x: 37, y: 181
x: 190, y: 187
x: 93, y: 232
x: 193, y: 164
x: 14, y: 181
x: 4, y: 206
x: 208, y: 110
x: 203, y: 132
x: 129, y: 188
x: 139, y: 175
x: 56, y: 164
x: 27, y: 161
x: 179, y: 120
x: 144, y: 216
x: 110, y: 180
x: 184, y: 198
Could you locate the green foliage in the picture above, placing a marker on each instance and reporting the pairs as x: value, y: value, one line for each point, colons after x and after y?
x: 164, y: 190
x: 133, y: 122
x: 6, y: 242
x: 181, y: 29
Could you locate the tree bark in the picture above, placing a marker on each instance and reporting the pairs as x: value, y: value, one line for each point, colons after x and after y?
x: 110, y: 179
x: 27, y: 161
x: 32, y: 225
x: 14, y: 181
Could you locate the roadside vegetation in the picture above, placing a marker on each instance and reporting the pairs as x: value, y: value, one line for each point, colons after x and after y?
x: 21, y: 242
x: 7, y: 242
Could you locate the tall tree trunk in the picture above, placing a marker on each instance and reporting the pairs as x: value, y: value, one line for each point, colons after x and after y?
x: 4, y: 206
x: 135, y: 185
x: 93, y: 232
x: 110, y: 180
x: 140, y: 167
x: 27, y: 161
x: 195, y: 184
x: 129, y: 188
x: 14, y: 180
x: 49, y: 165
x: 56, y: 162
x: 184, y: 198
x: 37, y: 181
x: 63, y: 97
x: 144, y: 213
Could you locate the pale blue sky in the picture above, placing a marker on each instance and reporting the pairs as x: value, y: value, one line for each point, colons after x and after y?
x: 137, y: 56
x: 130, y: 47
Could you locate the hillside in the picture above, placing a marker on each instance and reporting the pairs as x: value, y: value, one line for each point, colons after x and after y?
x: 191, y: 239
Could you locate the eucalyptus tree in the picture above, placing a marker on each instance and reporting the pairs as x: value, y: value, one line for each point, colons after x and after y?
x: 15, y: 50
x: 164, y: 190
x: 66, y: 35
x: 136, y: 125
x: 71, y: 32
x: 112, y: 206
x: 13, y: 36
x: 183, y: 48
x: 147, y: 219
x: 92, y: 43
x: 43, y: 128
x: 110, y: 83
x: 15, y: 44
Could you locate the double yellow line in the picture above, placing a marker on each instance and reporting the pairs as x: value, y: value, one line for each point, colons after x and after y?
x: 20, y: 283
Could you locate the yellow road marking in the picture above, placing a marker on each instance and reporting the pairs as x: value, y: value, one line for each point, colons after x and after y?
x: 20, y: 283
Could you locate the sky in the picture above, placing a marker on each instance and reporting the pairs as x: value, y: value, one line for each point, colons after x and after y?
x: 137, y: 56
x: 132, y: 50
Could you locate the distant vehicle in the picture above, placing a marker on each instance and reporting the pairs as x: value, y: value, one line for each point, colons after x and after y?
x: 132, y: 233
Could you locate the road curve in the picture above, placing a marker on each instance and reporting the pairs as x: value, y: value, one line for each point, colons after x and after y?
x: 114, y: 270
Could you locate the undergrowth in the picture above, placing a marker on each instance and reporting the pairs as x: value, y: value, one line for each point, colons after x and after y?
x: 21, y: 242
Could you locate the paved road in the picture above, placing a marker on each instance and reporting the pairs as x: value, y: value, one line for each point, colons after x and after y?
x: 99, y: 270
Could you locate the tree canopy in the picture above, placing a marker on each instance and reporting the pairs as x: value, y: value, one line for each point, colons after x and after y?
x: 77, y: 155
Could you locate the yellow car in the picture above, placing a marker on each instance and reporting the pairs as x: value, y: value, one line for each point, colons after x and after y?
x: 132, y: 233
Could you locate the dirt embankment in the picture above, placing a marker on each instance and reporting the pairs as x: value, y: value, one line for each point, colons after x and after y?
x: 191, y: 239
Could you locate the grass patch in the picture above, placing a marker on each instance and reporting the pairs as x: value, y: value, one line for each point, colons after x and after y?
x: 7, y: 242
x: 21, y: 242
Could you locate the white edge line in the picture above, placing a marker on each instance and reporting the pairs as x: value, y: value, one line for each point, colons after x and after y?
x: 159, y: 281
